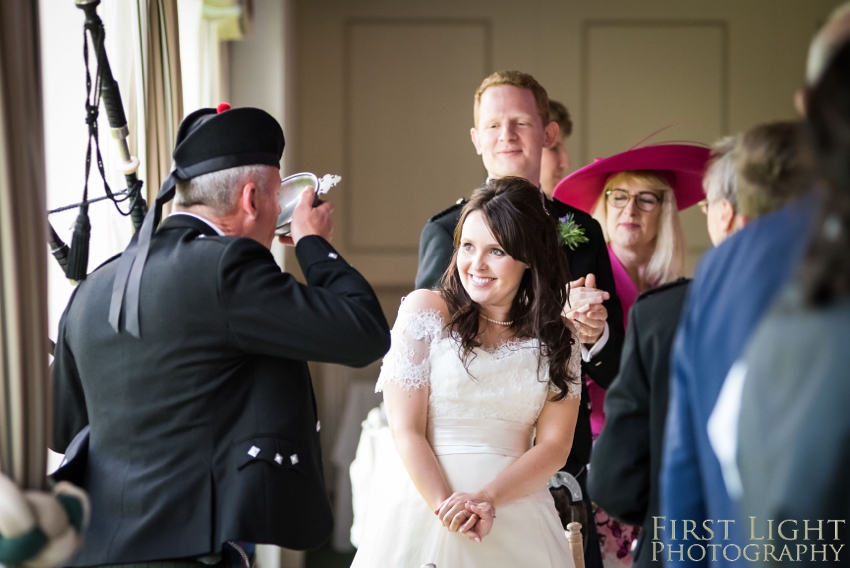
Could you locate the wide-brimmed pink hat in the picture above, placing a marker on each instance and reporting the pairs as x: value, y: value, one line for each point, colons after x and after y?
x: 682, y: 164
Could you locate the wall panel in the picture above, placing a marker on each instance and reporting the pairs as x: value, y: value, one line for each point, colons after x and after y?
x: 384, y: 89
x: 643, y: 76
x: 409, y: 88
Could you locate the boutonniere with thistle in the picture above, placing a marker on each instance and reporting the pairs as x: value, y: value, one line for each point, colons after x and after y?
x: 569, y: 233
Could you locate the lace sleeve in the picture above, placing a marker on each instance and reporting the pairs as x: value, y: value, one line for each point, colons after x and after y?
x: 406, y: 363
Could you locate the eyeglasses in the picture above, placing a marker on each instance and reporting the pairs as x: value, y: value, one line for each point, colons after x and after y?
x: 703, y: 206
x: 645, y: 200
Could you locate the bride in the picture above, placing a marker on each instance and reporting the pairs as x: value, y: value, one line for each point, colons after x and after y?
x: 481, y: 389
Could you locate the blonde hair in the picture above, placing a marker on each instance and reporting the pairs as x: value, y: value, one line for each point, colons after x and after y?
x: 670, y: 254
x: 520, y: 80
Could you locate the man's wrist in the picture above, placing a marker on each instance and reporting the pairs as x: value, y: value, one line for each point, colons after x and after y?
x: 588, y: 353
x: 590, y: 342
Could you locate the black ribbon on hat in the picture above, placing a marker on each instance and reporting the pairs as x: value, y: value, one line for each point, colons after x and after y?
x: 207, y: 141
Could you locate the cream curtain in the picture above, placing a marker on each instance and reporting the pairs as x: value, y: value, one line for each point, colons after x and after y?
x: 24, y: 389
x: 205, y: 28
x: 163, y: 90
x: 142, y: 47
x: 145, y: 56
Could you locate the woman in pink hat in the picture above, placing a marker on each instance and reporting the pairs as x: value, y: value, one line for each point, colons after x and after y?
x: 640, y: 219
x: 636, y: 196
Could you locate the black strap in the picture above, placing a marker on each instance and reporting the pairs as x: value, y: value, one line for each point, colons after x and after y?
x: 128, y: 276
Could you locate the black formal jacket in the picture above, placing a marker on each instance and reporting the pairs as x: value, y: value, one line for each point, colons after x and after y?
x: 626, y: 460
x: 206, y: 430
x: 436, y: 247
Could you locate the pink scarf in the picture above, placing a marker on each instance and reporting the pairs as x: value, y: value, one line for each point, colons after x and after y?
x: 628, y: 294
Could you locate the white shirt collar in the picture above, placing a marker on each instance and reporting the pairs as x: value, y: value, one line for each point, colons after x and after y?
x: 207, y: 221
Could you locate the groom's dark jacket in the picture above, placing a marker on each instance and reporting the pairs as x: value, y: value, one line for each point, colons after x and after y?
x: 436, y: 246
x: 205, y: 430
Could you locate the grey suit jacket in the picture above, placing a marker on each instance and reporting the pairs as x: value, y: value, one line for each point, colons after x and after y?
x: 794, y: 429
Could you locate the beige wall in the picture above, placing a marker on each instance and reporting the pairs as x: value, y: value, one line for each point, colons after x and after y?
x: 383, y: 96
x: 384, y: 93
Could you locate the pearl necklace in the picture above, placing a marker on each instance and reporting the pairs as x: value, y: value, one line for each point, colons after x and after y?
x: 504, y: 323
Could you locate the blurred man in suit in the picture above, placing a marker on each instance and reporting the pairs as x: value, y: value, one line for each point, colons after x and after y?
x: 792, y: 453
x: 733, y: 288
x: 780, y: 423
x: 194, y: 381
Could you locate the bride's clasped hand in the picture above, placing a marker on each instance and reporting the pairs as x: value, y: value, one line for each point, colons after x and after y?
x: 470, y: 514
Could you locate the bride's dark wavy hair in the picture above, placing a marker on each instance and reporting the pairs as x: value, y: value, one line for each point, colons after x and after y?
x: 514, y: 212
x: 826, y: 271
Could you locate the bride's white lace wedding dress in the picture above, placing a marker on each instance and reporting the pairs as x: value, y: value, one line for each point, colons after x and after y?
x: 477, y: 426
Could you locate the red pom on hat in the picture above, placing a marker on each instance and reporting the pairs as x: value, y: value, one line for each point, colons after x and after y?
x: 222, y: 107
